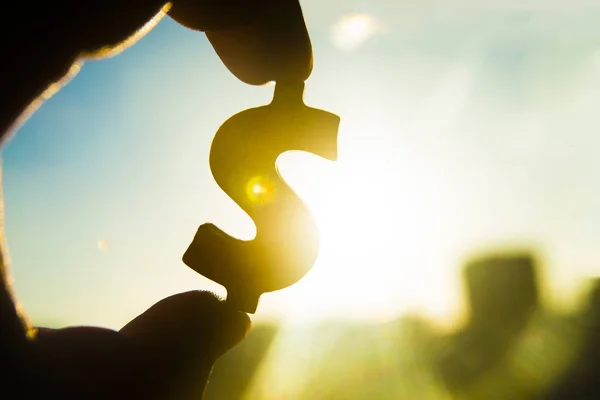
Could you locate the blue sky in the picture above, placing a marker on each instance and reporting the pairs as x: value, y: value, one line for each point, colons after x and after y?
x: 463, y: 128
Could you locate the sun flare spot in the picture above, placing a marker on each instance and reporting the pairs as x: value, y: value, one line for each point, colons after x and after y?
x: 260, y: 189
x: 374, y: 260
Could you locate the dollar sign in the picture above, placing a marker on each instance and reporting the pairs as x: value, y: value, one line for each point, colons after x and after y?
x: 243, y: 159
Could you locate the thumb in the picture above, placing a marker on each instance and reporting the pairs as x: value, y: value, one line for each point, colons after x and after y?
x: 190, y: 331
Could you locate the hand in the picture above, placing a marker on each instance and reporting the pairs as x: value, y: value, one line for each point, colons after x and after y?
x: 168, y: 351
x: 165, y: 353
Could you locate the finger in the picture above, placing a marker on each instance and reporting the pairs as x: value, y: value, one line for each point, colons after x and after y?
x: 195, y: 319
x: 192, y: 330
x: 258, y: 41
x: 206, y: 15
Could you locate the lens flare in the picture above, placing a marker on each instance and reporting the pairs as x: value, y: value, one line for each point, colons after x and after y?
x: 260, y: 189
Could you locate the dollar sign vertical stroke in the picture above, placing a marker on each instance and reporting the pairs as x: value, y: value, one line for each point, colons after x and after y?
x: 243, y: 158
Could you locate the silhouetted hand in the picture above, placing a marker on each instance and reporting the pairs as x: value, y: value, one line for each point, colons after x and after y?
x: 167, y: 352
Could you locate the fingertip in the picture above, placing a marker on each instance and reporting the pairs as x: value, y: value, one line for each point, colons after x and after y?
x: 195, y: 321
x: 229, y: 328
x: 258, y: 41
x: 275, y: 46
x: 257, y: 58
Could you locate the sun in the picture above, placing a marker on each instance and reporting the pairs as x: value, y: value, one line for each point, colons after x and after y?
x: 374, y: 262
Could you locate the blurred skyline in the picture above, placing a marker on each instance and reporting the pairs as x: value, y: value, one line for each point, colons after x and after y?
x: 461, y: 129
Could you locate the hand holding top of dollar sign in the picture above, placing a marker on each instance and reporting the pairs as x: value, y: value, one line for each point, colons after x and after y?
x: 242, y: 159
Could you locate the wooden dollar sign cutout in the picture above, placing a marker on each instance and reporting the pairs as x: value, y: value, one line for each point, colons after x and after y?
x: 243, y: 155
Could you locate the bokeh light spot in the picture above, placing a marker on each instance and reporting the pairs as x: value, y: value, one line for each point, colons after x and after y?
x: 353, y: 30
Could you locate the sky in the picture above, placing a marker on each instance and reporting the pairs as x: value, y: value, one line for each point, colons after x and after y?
x: 464, y: 127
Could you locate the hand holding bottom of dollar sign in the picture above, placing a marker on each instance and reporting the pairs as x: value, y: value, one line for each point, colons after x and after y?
x: 242, y: 159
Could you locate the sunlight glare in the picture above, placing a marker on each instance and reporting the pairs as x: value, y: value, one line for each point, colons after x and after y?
x: 374, y: 260
x: 289, y: 349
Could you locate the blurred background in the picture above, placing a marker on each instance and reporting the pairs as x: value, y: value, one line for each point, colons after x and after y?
x: 459, y: 227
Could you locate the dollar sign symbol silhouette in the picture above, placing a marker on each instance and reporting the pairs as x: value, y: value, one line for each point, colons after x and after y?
x: 243, y: 159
